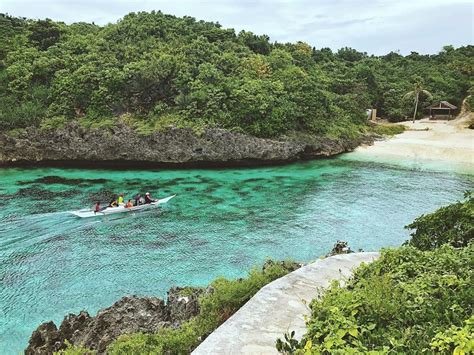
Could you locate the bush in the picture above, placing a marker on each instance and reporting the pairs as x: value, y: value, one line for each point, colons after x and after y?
x: 215, y: 307
x: 75, y: 350
x: 456, y: 340
x: 398, y: 303
x: 54, y: 122
x: 453, y: 224
x: 387, y: 130
x: 103, y: 123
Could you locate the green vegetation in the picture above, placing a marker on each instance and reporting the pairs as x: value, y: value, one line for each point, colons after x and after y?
x: 387, y: 129
x: 154, y: 70
x: 227, y: 297
x: 75, y: 350
x: 409, y: 301
x: 415, y: 94
x: 453, y: 224
x: 215, y: 307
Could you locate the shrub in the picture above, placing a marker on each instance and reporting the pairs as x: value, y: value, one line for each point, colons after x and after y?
x: 75, y: 350
x: 388, y: 130
x: 397, y: 303
x: 54, y: 122
x: 453, y: 224
x: 103, y: 123
x: 456, y: 340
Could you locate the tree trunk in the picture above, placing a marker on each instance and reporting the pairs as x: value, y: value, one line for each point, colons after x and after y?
x: 416, y: 107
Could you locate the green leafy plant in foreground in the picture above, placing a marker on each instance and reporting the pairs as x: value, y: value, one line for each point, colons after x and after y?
x: 413, y: 299
x: 456, y: 340
x: 398, y: 303
x: 453, y: 224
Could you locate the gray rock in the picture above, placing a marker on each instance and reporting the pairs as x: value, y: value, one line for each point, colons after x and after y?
x: 75, y: 145
x: 341, y: 247
x: 128, y: 315
x: 183, y: 303
x: 44, y: 340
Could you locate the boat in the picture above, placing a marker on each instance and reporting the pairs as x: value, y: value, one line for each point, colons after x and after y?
x: 87, y: 212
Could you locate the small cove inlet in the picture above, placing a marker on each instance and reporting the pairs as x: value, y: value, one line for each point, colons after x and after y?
x: 223, y: 223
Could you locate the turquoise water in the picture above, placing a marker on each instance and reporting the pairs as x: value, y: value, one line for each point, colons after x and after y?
x: 222, y: 222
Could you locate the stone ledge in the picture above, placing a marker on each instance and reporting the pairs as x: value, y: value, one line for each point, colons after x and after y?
x: 278, y: 307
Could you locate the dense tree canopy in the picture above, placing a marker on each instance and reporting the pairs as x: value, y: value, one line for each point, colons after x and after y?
x: 154, y: 70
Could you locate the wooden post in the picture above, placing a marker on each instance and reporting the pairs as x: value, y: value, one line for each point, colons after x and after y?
x: 374, y: 114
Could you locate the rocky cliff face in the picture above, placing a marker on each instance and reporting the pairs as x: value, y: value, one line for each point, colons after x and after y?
x: 77, y: 146
x: 126, y: 316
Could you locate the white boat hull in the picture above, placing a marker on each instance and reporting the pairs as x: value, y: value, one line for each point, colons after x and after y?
x: 86, y: 213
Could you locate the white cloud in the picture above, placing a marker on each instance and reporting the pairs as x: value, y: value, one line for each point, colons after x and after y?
x: 376, y: 26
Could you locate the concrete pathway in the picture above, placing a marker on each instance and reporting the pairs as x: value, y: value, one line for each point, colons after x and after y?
x: 278, y: 307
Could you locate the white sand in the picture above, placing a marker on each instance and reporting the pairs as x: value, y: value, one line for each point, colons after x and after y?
x: 445, y: 142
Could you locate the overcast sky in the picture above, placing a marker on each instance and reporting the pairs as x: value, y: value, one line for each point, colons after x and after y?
x: 374, y: 26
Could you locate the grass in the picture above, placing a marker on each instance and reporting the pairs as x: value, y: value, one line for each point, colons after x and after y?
x: 387, y: 129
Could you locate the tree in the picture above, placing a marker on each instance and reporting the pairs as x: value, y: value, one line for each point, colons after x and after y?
x: 415, y: 93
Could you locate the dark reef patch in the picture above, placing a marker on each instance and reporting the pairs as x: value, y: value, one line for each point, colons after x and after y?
x: 254, y: 180
x: 40, y: 194
x: 101, y: 195
x: 49, y: 180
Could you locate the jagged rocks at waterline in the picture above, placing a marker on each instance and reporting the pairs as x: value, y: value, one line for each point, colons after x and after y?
x: 76, y: 145
x: 128, y: 315
x: 341, y: 247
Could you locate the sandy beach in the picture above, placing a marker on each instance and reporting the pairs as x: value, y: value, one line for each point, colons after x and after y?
x: 426, y: 141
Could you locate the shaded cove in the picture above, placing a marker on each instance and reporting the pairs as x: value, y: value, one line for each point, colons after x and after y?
x: 221, y: 223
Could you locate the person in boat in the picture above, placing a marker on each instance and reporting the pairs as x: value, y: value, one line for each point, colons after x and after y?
x: 120, y: 199
x: 137, y: 199
x: 97, y: 207
x: 129, y: 204
x: 113, y: 203
x: 148, y: 198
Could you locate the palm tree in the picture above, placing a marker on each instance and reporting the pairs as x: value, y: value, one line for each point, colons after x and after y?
x: 415, y: 93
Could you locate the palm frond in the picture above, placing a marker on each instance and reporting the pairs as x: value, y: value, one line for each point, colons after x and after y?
x: 408, y: 94
x: 427, y: 93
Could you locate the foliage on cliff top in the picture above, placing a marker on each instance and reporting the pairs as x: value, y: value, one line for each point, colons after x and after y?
x: 163, y: 70
x: 453, y: 224
x: 409, y: 301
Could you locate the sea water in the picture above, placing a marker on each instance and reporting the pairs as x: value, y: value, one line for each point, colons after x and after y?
x: 221, y: 223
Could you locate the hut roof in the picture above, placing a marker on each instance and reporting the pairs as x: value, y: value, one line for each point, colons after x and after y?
x: 443, y: 104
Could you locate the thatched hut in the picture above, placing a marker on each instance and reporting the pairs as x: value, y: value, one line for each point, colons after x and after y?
x: 442, y: 110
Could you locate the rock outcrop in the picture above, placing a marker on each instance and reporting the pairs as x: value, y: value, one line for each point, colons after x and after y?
x: 122, y: 146
x: 128, y: 315
x: 341, y: 247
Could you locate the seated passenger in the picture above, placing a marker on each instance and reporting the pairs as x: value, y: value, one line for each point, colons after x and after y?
x: 129, y: 204
x: 137, y: 199
x: 148, y: 198
x: 113, y: 203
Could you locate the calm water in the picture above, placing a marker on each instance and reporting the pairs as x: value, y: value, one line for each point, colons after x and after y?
x: 222, y: 222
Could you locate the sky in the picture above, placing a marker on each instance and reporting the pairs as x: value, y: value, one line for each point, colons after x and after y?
x: 373, y: 26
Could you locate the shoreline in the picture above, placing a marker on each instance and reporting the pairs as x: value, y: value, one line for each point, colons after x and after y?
x: 174, y: 148
x: 440, y: 144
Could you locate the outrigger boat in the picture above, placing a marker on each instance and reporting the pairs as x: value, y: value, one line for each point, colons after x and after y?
x: 87, y: 212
